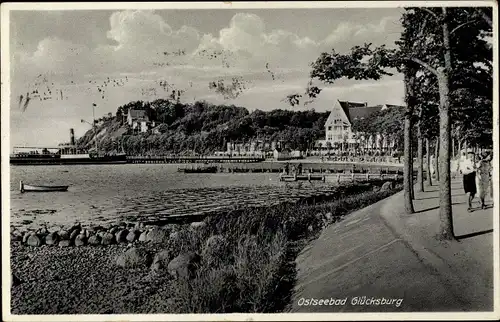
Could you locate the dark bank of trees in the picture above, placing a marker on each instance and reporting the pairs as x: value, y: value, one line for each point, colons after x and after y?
x: 205, y: 128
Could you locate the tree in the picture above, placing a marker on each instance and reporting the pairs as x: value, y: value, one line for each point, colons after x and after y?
x: 434, y: 54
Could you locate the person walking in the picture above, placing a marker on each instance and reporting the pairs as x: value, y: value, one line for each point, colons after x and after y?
x: 468, y: 170
x: 483, y: 170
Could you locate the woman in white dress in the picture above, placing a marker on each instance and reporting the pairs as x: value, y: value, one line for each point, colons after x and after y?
x: 483, y: 173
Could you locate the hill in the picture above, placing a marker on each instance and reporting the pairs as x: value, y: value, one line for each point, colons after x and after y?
x: 203, y: 128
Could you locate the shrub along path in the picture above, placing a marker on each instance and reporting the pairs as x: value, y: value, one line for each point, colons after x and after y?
x: 379, y: 252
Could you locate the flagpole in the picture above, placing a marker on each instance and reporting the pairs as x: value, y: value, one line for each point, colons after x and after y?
x: 94, y: 127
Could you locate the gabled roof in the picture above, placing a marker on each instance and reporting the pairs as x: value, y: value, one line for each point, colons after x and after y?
x: 362, y: 112
x: 137, y: 113
x: 356, y: 110
x: 349, y: 106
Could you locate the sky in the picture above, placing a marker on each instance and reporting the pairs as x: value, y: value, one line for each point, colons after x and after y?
x: 68, y: 60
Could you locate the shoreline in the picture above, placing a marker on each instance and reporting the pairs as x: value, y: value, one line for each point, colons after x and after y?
x: 213, y: 245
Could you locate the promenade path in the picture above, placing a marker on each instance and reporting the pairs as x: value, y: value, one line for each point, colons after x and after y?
x: 381, y: 252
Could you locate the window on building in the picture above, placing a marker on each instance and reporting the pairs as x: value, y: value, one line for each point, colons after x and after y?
x: 329, y: 128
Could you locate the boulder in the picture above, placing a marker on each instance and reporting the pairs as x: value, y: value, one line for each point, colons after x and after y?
x: 16, y: 235
x: 184, y: 265
x: 132, y: 235
x: 139, y: 225
x: 80, y: 240
x: 101, y: 234
x: 63, y: 235
x: 161, y: 260
x: 121, y: 236
x: 42, y: 230
x: 94, y: 240
x: 134, y: 257
x: 143, y: 235
x: 34, y: 240
x: 108, y: 239
x: 65, y: 243
x: 76, y: 227
x: 113, y: 230
x: 386, y: 186
x: 198, y: 225
x: 26, y: 236
x: 158, y: 236
x: 73, y: 234
x: 121, y: 224
x: 15, y: 281
x: 328, y: 216
x: 52, y: 238
x: 375, y: 188
x: 97, y: 229
x: 89, y: 233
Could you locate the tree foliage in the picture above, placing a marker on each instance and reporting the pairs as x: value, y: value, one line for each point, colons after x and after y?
x: 205, y: 128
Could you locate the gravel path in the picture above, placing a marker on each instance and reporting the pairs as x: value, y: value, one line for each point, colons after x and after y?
x: 80, y: 280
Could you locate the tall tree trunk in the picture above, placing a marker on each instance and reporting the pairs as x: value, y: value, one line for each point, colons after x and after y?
x: 428, y: 163
x: 412, y: 185
x: 409, y: 80
x: 445, y: 211
x: 420, y: 156
x: 436, y: 158
x: 453, y: 153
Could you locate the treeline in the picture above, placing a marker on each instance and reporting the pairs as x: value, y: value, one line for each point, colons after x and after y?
x: 202, y: 127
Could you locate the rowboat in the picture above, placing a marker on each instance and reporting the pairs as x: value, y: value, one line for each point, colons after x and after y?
x: 31, y: 188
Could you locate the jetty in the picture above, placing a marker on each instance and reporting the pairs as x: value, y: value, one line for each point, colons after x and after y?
x: 192, y: 159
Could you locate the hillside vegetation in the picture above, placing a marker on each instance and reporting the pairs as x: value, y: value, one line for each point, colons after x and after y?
x: 203, y: 128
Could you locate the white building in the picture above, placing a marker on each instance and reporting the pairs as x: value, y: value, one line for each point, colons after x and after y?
x: 138, y: 120
x: 338, y: 127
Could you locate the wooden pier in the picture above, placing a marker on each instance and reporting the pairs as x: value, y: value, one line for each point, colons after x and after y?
x: 182, y: 159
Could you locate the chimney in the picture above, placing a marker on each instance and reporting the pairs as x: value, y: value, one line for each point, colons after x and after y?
x: 72, y: 136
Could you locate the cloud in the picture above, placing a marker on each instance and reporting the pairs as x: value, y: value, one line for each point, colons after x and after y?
x: 346, y: 34
x: 143, y: 40
x: 251, y: 44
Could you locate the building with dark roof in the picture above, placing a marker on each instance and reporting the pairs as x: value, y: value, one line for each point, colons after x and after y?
x: 338, y: 126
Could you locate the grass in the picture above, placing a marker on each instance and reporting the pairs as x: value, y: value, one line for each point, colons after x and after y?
x: 252, y: 268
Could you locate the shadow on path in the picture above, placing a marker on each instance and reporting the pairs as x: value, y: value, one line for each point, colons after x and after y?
x: 437, y: 207
x: 477, y: 233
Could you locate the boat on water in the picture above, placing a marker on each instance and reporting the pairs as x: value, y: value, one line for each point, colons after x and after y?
x: 38, y: 188
x: 63, y: 154
x: 83, y: 158
x: 210, y: 169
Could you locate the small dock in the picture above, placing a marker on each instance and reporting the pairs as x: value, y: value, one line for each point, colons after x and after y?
x: 182, y: 159
x: 339, y: 177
